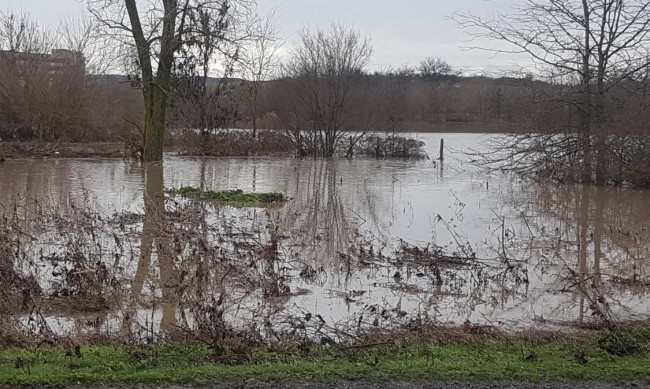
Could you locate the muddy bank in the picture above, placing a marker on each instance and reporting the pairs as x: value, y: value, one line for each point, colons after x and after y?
x: 236, y: 143
x: 21, y: 150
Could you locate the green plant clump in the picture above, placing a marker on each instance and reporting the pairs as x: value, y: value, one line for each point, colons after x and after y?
x: 629, y: 341
x: 236, y: 196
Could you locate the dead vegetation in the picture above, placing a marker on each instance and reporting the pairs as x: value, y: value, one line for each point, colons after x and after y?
x: 35, y: 149
x: 234, y: 143
x: 230, y: 279
x: 268, y: 142
x: 233, y: 278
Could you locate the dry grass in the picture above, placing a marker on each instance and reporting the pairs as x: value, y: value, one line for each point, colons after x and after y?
x: 234, y: 143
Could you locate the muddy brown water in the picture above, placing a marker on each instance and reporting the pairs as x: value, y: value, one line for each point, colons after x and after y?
x: 352, y: 247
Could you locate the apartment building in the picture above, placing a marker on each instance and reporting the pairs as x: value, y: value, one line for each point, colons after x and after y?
x: 59, y: 62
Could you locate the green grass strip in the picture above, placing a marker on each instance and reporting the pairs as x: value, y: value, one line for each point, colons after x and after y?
x: 490, y: 361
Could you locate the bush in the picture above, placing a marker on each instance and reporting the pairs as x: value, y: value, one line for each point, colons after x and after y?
x: 234, y: 144
x: 391, y: 146
x: 625, y: 342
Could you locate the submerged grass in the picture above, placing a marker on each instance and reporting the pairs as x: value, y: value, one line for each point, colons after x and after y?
x: 554, y: 360
x: 237, y: 196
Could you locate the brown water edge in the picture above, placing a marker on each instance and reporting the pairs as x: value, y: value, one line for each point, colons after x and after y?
x: 190, y: 270
x: 40, y: 149
x: 192, y: 144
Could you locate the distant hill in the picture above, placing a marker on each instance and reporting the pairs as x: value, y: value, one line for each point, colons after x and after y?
x: 121, y: 78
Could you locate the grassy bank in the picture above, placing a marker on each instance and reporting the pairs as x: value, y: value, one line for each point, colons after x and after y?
x: 560, y: 359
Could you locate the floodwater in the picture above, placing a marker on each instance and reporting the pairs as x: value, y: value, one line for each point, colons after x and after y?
x: 361, y: 243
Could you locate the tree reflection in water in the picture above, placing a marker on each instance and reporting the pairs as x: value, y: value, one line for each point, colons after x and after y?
x: 605, y: 230
x: 177, y: 267
x: 156, y: 235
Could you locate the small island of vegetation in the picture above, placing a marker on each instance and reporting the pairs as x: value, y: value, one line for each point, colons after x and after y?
x: 234, y: 197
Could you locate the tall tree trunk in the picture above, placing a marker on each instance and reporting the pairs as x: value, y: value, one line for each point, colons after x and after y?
x: 600, y: 146
x: 154, y: 127
x: 585, y: 130
x: 599, y: 103
x: 155, y: 89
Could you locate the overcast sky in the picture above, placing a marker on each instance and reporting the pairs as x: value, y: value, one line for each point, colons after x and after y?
x: 403, y: 31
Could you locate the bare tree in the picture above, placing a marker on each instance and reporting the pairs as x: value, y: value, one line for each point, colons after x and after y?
x: 158, y: 30
x: 259, y: 62
x: 587, y: 49
x: 82, y: 34
x: 323, y: 74
x: 198, y: 101
x: 19, y: 34
x: 54, y: 83
x: 111, y: 105
x: 436, y: 69
x: 41, y: 89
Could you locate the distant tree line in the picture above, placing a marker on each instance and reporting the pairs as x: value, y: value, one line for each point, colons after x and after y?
x: 581, y: 116
x: 77, y: 104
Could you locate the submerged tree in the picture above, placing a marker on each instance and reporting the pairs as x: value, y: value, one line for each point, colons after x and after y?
x: 158, y: 30
x: 321, y: 78
x: 593, y: 56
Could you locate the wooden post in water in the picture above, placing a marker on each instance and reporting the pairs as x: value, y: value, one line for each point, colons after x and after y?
x: 442, y: 149
x: 2, y: 152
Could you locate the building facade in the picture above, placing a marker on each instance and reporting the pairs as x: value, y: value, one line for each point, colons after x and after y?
x: 59, y: 62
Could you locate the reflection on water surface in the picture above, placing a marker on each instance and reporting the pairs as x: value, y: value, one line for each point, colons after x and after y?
x: 97, y: 248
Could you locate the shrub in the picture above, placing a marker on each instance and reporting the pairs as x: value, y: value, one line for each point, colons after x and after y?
x: 391, y: 146
x: 624, y: 342
x: 235, y: 144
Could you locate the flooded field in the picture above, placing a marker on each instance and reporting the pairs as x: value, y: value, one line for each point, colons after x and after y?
x: 94, y: 247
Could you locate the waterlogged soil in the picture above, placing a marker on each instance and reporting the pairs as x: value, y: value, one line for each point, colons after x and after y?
x: 98, y: 249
